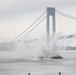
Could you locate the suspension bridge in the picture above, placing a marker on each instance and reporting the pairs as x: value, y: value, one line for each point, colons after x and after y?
x: 60, y: 22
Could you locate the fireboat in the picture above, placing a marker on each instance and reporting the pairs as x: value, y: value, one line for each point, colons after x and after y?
x: 56, y: 57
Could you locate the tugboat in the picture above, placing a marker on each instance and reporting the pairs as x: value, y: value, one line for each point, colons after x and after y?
x: 56, y: 57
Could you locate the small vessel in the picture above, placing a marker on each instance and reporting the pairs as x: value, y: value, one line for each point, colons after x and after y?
x: 56, y: 57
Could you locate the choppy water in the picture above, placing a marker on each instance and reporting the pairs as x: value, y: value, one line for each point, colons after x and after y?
x: 39, y: 67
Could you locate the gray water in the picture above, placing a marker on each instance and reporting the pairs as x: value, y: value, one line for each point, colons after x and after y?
x: 66, y: 66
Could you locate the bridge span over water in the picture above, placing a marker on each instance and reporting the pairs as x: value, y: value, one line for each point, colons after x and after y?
x: 56, y: 21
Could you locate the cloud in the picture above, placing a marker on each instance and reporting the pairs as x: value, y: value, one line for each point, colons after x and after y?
x: 15, y: 8
x: 24, y: 6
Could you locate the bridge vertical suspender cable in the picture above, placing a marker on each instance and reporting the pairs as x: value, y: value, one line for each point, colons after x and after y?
x: 66, y: 15
x: 67, y: 20
x: 30, y: 26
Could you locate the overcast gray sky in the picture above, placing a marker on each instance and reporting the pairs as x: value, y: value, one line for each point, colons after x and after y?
x: 17, y: 15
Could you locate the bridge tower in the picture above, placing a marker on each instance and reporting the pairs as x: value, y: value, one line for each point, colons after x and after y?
x: 50, y: 12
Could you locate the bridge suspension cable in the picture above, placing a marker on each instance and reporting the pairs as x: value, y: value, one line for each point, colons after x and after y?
x: 30, y: 26
x: 66, y: 15
x: 33, y: 27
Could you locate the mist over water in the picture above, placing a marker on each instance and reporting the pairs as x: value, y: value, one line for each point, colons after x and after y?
x: 29, y: 48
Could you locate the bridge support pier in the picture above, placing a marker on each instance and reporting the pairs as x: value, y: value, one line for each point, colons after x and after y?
x: 50, y: 12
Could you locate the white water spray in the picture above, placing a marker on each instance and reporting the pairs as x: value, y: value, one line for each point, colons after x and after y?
x: 29, y: 48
